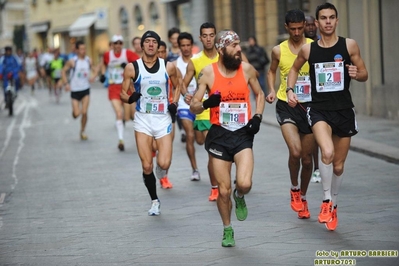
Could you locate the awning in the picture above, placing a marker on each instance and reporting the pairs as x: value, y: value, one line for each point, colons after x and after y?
x: 82, y: 25
x: 40, y: 27
x: 60, y: 29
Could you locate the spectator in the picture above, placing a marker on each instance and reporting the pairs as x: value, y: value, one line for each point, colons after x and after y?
x: 258, y: 58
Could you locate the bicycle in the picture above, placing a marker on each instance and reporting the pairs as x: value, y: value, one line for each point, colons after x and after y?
x: 10, y: 95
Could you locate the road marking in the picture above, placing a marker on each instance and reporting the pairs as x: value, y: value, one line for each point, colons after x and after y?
x: 25, y: 123
x: 2, y: 197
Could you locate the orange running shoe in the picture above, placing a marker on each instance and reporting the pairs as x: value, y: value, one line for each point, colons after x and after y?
x: 325, y: 211
x: 165, y: 182
x: 332, y: 225
x: 214, y: 194
x: 296, y: 201
x: 304, y: 214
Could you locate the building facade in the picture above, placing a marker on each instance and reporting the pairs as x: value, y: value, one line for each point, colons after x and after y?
x: 12, y: 22
x: 61, y: 22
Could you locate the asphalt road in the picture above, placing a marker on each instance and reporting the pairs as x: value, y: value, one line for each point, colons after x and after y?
x: 64, y: 201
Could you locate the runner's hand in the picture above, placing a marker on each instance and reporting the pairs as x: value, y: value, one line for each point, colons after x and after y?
x: 134, y: 97
x: 292, y: 99
x: 253, y: 125
x: 212, y: 101
x: 172, y: 108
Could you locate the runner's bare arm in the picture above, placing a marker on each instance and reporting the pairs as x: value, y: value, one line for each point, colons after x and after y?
x: 65, y: 69
x: 190, y: 72
x: 202, y: 85
x: 174, y: 77
x: 300, y: 60
x: 272, y: 73
x: 128, y: 74
x: 357, y: 70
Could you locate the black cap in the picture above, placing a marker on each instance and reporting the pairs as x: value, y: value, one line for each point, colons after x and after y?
x: 150, y: 34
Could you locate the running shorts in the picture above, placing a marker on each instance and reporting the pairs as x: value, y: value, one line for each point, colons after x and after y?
x: 186, y: 114
x: 224, y: 144
x: 202, y: 125
x: 154, y: 125
x: 297, y: 116
x: 79, y: 95
x: 342, y: 122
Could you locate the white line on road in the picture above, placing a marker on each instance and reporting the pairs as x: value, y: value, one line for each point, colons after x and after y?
x: 25, y: 123
x: 2, y: 197
x: 10, y: 128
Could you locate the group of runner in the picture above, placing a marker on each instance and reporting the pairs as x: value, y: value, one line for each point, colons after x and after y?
x: 210, y: 92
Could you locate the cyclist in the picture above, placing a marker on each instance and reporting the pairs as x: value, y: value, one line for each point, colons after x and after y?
x: 9, y: 68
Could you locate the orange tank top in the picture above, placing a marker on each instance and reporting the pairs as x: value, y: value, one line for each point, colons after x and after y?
x: 234, y: 110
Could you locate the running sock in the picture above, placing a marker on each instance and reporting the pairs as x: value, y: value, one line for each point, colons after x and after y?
x: 214, y: 186
x: 326, y: 172
x: 238, y: 196
x: 303, y: 197
x: 335, y: 185
x: 150, y: 183
x: 119, y: 128
x: 295, y: 187
x: 227, y: 226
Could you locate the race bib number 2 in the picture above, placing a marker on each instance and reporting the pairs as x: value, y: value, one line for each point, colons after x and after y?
x: 329, y: 76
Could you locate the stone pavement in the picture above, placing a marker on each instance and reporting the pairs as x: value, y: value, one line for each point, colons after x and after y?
x: 68, y: 202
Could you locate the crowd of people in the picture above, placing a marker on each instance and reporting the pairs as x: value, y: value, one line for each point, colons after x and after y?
x: 208, y: 93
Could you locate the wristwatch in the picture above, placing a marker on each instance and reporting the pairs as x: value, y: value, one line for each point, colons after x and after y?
x: 259, y: 115
x: 289, y: 89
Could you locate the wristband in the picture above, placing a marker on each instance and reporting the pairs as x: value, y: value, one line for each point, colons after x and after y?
x: 289, y: 89
x: 259, y: 115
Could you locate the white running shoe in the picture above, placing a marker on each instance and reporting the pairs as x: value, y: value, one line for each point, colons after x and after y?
x: 316, y: 177
x: 195, y: 176
x: 155, y: 208
x: 159, y: 172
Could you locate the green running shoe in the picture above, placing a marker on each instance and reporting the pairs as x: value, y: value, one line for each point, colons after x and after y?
x: 228, y: 237
x: 241, y: 207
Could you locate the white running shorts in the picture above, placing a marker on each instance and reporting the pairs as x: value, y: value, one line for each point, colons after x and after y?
x: 154, y: 125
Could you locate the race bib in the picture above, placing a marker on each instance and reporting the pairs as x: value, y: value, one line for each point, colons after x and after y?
x: 116, y: 76
x: 156, y: 105
x: 303, y: 89
x: 57, y: 73
x: 329, y: 76
x: 233, y: 116
x: 82, y: 74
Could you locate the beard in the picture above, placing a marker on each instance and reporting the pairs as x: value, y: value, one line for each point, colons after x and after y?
x: 230, y: 62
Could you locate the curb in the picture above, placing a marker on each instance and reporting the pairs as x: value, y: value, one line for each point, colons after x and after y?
x: 367, y: 147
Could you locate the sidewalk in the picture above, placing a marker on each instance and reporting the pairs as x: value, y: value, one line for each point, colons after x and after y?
x: 377, y: 137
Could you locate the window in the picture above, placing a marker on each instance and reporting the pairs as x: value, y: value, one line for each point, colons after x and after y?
x: 244, y: 18
x: 124, y: 23
x: 154, y: 16
x: 138, y: 16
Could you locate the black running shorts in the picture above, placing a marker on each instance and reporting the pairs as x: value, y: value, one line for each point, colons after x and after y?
x: 224, y: 144
x: 78, y: 95
x: 297, y: 116
x: 342, y: 122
